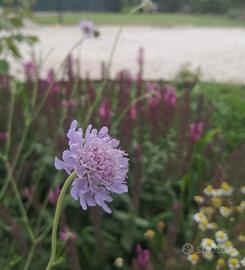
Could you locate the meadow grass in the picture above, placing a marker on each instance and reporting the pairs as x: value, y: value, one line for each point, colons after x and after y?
x: 158, y: 20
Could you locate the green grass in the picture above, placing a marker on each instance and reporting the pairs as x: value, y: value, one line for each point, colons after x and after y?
x: 159, y: 20
x: 229, y: 113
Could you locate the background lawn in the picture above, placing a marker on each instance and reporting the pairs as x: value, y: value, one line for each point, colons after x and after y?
x: 159, y: 20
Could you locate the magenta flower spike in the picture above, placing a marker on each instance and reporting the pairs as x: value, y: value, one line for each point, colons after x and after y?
x: 100, y: 166
x: 143, y: 256
x: 196, y: 131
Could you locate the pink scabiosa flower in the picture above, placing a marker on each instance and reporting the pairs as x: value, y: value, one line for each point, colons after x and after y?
x: 88, y: 29
x: 169, y: 96
x: 196, y: 131
x: 100, y: 166
x: 54, y: 195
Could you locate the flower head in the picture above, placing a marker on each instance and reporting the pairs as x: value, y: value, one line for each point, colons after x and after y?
x: 193, y: 258
x: 225, y: 211
x: 119, y: 262
x: 221, y: 237
x: 149, y: 234
x: 88, y: 28
x: 220, y: 263
x: 199, y: 199
x: 100, y: 166
x: 233, y: 263
x: 208, y: 244
x: 226, y: 189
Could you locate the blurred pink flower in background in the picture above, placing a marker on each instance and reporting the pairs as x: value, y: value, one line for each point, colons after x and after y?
x: 143, y: 256
x: 30, y: 69
x: 169, y: 96
x: 105, y: 110
x: 66, y: 234
x: 4, y: 79
x: 133, y: 113
x: 28, y: 192
x: 196, y: 131
x: 55, y: 88
x: 3, y: 136
x: 54, y: 195
x: 69, y: 103
x: 153, y: 89
x: 88, y: 28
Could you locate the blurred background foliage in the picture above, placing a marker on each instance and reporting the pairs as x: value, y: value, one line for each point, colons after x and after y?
x: 195, y: 6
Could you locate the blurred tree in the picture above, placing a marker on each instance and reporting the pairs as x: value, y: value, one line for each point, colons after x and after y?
x: 169, y: 5
x: 211, y: 6
x: 116, y: 6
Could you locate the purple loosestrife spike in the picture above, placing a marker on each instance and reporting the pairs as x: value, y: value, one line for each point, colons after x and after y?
x: 143, y: 256
x: 169, y: 96
x: 100, y: 166
x: 30, y: 69
x: 196, y: 131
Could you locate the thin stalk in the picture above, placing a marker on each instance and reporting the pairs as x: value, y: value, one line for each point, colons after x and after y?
x: 10, y: 119
x: 19, y: 201
x: 119, y: 32
x: 30, y: 256
x: 8, y: 178
x: 57, y: 217
x: 108, y: 68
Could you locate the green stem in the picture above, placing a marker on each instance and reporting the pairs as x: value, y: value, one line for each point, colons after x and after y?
x: 124, y: 112
x: 19, y: 201
x: 30, y: 256
x: 108, y: 67
x: 10, y: 119
x: 57, y: 217
x: 114, y: 47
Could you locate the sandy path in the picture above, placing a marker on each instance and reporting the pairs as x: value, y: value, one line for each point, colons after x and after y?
x: 219, y: 52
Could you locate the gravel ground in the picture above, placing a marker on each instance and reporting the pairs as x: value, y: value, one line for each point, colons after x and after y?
x: 219, y: 52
